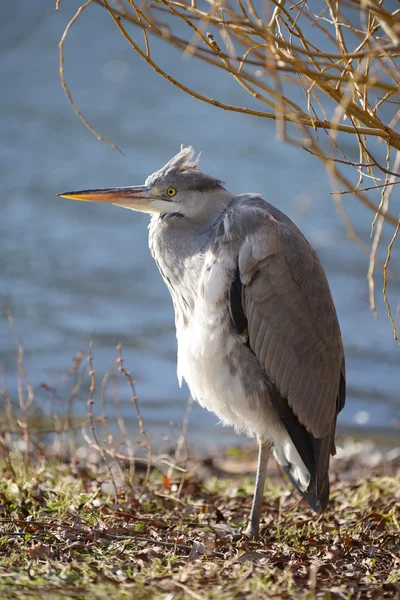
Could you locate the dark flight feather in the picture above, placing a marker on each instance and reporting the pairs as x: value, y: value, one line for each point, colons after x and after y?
x: 236, y: 304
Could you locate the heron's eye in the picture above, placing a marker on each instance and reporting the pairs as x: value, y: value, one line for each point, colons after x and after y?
x: 171, y: 192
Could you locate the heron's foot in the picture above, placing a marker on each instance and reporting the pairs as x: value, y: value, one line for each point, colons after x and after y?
x: 252, y: 530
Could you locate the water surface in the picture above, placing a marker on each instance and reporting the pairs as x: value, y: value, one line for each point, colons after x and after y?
x: 73, y: 272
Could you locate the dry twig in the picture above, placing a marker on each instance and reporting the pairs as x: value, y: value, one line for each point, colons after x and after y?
x: 349, y: 73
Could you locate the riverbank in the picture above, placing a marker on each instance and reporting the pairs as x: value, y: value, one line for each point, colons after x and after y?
x: 81, y: 530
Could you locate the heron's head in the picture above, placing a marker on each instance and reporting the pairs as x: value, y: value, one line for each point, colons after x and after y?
x: 179, y: 188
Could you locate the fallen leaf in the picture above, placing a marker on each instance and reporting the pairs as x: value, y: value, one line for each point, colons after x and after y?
x: 39, y: 551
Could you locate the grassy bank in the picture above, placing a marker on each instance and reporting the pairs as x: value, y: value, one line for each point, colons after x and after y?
x: 65, y: 534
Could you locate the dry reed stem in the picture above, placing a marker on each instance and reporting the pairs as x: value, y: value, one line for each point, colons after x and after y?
x: 60, y: 440
x: 109, y: 435
x: 22, y: 380
x: 183, y: 445
x: 77, y: 374
x: 91, y: 421
x: 135, y: 402
x: 122, y: 427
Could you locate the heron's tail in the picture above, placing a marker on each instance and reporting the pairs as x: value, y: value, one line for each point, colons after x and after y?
x: 312, y: 481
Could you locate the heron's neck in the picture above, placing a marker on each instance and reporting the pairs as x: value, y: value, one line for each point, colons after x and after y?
x: 174, y: 237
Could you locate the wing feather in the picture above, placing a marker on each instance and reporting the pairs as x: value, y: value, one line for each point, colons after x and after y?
x: 288, y: 373
x: 273, y: 342
x: 286, y: 357
x: 264, y: 347
x: 254, y: 325
x: 279, y: 351
x: 260, y: 338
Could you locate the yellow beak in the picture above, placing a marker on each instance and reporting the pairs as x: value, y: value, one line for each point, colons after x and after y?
x: 136, y: 198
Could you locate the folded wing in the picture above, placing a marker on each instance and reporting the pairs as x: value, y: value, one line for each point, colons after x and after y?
x: 294, y: 332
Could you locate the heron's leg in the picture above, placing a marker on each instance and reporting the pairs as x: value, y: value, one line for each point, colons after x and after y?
x: 253, y: 528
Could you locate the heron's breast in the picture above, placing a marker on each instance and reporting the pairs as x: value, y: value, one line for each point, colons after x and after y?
x: 205, y: 336
x: 221, y: 372
x: 205, y: 363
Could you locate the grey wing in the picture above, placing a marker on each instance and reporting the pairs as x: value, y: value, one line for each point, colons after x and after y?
x: 294, y: 332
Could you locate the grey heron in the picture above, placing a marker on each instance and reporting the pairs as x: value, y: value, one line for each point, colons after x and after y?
x: 259, y: 342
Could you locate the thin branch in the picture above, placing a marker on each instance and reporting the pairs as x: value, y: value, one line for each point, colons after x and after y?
x: 385, y: 269
x: 64, y: 83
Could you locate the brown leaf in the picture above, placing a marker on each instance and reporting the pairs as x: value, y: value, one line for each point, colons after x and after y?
x: 158, y: 523
x: 39, y: 551
x: 348, y: 541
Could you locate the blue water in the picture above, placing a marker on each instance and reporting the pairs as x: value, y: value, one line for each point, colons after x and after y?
x: 73, y: 272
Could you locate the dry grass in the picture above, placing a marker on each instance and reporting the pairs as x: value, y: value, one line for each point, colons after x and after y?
x: 112, y: 518
x: 64, y: 535
x: 326, y: 72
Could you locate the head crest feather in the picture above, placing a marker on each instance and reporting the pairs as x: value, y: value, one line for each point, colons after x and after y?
x: 183, y: 162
